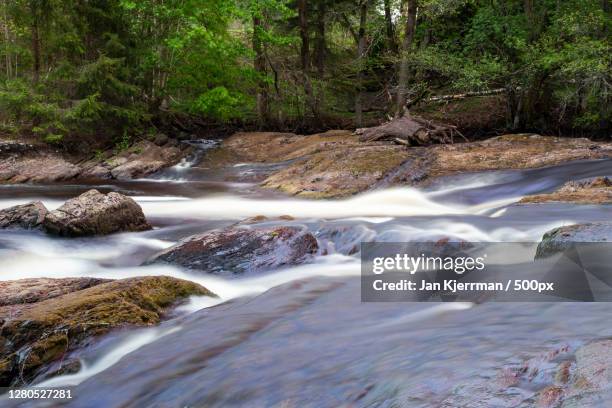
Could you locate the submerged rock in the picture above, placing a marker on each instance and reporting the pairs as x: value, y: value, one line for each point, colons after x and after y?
x: 94, y: 213
x: 37, y: 334
x: 562, y: 238
x: 241, y: 250
x: 564, y: 377
x: 591, y: 380
x: 26, y: 216
x: 592, y: 191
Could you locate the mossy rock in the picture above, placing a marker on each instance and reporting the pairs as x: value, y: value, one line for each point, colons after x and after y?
x: 36, y: 334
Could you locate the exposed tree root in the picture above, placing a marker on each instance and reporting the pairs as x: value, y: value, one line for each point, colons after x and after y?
x: 411, y: 130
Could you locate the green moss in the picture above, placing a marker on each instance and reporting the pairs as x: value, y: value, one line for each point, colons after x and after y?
x: 51, y: 328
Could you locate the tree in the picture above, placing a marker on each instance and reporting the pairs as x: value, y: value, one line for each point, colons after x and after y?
x: 259, y: 64
x: 361, y: 61
x: 389, y: 27
x: 407, y: 44
x: 320, y: 45
x: 305, y: 56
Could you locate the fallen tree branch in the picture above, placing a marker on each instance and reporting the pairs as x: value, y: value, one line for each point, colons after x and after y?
x: 410, y: 130
x: 466, y: 95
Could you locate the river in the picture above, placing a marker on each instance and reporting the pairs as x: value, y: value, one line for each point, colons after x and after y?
x: 300, y: 336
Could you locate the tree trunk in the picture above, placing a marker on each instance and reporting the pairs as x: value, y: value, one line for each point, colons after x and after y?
x: 7, y: 40
x: 320, y: 47
x: 389, y: 28
x: 531, y: 23
x: 361, y: 56
x: 410, y: 130
x: 409, y: 29
x: 260, y: 67
x: 303, y: 23
x: 605, y: 6
x: 305, y: 56
x: 36, y: 48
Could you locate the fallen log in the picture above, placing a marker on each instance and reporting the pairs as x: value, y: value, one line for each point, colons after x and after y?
x: 410, y: 130
x: 466, y: 95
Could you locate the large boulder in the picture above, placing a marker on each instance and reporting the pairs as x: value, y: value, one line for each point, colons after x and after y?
x: 560, y: 239
x: 94, y: 213
x: 39, y: 330
x: 239, y: 250
x: 27, y: 216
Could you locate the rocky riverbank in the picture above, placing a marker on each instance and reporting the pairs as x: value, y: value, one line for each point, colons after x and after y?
x: 336, y: 164
x: 326, y: 165
x: 37, y: 163
x: 593, y: 191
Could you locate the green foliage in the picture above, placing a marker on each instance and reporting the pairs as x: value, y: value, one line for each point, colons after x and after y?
x: 109, y: 67
x: 217, y: 103
x: 123, y: 143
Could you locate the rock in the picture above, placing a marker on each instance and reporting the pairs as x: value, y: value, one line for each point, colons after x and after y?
x: 238, y: 250
x: 21, y: 163
x: 97, y: 171
x: 160, y: 139
x: 549, y: 397
x: 37, y: 168
x: 39, y: 289
x: 94, y: 213
x: 262, y: 218
x: 560, y: 239
x: 343, y: 239
x: 143, y: 159
x: 521, y: 151
x: 340, y: 172
x: 592, y: 191
x: 272, y: 147
x: 27, y: 216
x: 35, y: 335
x: 591, y: 383
x: 9, y: 146
x: 337, y: 164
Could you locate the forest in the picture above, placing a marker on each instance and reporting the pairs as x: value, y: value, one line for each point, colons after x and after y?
x: 111, y: 71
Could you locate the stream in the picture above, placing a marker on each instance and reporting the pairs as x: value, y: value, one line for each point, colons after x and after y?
x: 300, y: 336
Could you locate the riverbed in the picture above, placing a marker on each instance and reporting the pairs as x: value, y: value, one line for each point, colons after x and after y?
x: 300, y: 336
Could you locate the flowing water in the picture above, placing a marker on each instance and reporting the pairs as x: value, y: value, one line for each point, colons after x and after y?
x: 299, y: 336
